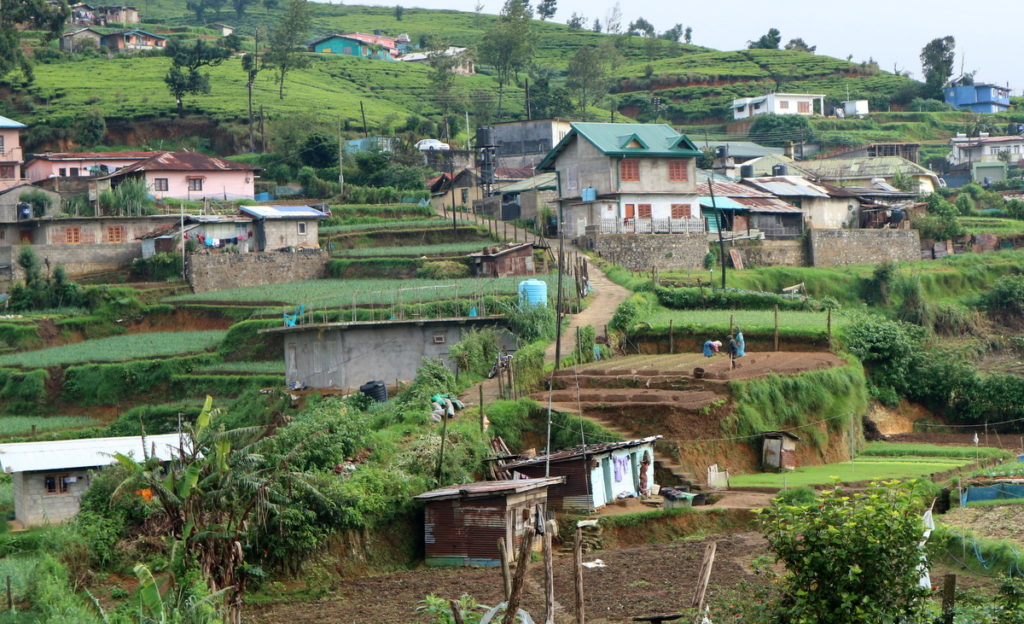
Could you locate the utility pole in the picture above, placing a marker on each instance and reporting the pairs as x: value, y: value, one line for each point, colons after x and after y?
x: 341, y: 161
x: 721, y: 224
x: 526, y: 92
x: 451, y: 171
x: 362, y: 110
x: 558, y: 304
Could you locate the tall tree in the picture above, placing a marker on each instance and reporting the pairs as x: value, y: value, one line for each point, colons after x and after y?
x: 768, y: 41
x: 672, y: 34
x: 443, y: 65
x: 596, y: 26
x: 184, y: 77
x: 546, y: 99
x: 546, y: 9
x: 937, y: 63
x: 508, y: 44
x: 240, y: 7
x: 576, y: 22
x: 800, y: 45
x: 286, y: 51
x: 588, y: 78
x: 14, y: 15
x: 688, y: 35
x: 613, y: 20
x: 641, y: 27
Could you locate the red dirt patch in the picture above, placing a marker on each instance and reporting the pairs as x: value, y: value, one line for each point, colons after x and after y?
x: 751, y: 366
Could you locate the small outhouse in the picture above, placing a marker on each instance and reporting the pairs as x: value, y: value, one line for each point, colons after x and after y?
x: 778, y: 450
x: 462, y: 523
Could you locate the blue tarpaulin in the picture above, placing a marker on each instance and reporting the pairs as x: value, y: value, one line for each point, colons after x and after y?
x: 991, y: 492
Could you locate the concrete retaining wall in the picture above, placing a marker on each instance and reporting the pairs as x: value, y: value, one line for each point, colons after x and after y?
x: 771, y: 252
x: 838, y: 247
x: 219, y: 271
x: 639, y: 252
x: 77, y: 260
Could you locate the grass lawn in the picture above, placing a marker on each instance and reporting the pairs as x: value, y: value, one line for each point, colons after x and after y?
x: 372, y: 223
x: 274, y: 367
x: 20, y: 425
x: 342, y: 292
x: 118, y: 348
x: 996, y: 502
x: 863, y: 469
x: 750, y: 320
x: 894, y: 449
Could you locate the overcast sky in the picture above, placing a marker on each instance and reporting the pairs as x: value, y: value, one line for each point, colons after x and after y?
x: 890, y: 31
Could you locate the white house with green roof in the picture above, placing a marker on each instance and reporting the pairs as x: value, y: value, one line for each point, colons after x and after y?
x: 619, y: 177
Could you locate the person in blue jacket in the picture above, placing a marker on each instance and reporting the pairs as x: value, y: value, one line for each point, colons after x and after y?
x: 741, y: 344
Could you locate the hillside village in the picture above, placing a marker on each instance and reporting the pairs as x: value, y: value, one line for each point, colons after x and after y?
x: 337, y: 313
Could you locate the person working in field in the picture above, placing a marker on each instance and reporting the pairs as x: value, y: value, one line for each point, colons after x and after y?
x: 732, y: 349
x: 711, y: 347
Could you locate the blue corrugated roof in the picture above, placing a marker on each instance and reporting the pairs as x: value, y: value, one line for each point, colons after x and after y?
x: 722, y: 203
x: 282, y: 212
x: 10, y: 123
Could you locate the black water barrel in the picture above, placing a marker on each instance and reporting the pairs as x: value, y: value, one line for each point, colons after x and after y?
x: 376, y: 390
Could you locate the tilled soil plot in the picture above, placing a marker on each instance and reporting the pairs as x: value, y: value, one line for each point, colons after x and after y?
x: 639, y: 580
x: 1010, y: 441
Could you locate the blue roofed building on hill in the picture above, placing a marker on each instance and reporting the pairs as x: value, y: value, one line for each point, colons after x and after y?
x: 280, y: 227
x: 978, y: 97
x: 626, y: 178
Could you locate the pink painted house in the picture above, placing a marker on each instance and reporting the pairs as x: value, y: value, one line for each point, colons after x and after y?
x: 80, y: 164
x: 10, y: 153
x: 388, y: 43
x: 188, y: 175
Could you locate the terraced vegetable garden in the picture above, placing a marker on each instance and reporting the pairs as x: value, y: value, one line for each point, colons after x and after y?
x: 415, y: 250
x: 118, y: 349
x: 22, y: 425
x: 863, y: 469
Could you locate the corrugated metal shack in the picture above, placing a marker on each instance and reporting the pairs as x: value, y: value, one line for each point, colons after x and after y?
x: 595, y: 474
x: 509, y: 261
x: 462, y: 523
x: 778, y: 451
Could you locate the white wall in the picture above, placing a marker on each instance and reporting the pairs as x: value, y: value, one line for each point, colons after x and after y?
x: 661, y: 205
x: 34, y: 506
x: 627, y: 484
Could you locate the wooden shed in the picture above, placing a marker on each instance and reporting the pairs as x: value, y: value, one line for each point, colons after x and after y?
x: 462, y: 523
x: 778, y: 450
x: 513, y: 260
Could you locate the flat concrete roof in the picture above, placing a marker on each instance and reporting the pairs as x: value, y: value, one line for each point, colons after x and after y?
x: 455, y: 320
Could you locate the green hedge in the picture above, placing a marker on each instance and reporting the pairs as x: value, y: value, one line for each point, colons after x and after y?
x: 106, y: 384
x: 19, y: 336
x: 22, y: 392
x: 244, y: 342
x: 373, y: 267
x: 692, y: 298
x: 221, y: 385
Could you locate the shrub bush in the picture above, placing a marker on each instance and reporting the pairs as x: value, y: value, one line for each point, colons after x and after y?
x: 442, y: 269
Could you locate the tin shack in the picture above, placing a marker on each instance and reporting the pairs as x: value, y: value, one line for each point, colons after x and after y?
x: 510, y: 261
x: 778, y: 450
x: 462, y: 523
x: 595, y: 474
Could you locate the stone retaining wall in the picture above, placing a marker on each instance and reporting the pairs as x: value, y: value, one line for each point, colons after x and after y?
x: 218, y: 271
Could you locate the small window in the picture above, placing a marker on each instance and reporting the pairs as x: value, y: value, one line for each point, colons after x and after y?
x: 784, y: 104
x: 302, y: 228
x: 115, y: 234
x: 72, y: 235
x: 7, y: 171
x: 644, y: 211
x: 681, y: 211
x: 195, y: 184
x: 465, y: 195
x: 56, y: 484
x: 160, y: 184
x: 438, y: 338
x: 629, y: 170
x: 803, y: 107
x: 63, y: 172
x: 678, y: 170
x: 74, y: 172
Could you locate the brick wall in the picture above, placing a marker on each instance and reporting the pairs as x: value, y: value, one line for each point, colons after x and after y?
x: 638, y: 252
x: 218, y: 271
x: 837, y: 247
x: 771, y: 252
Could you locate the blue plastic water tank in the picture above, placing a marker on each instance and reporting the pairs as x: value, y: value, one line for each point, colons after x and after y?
x: 589, y: 194
x: 533, y: 292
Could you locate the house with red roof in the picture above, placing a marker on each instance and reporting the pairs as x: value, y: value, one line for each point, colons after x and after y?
x: 187, y: 175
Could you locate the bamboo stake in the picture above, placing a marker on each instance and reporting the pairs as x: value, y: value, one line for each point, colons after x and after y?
x: 506, y: 574
x: 549, y: 576
x: 702, y: 582
x: 456, y: 611
x: 949, y: 599
x: 577, y: 560
x: 483, y: 420
x: 776, y: 335
x: 522, y: 561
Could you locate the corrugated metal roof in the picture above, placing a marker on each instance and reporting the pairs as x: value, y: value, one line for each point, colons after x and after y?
x: 488, y: 488
x: 788, y: 186
x: 10, y: 123
x: 183, y: 161
x: 767, y: 204
x: 282, y: 212
x: 583, y: 451
x: 743, y: 149
x: 84, y: 453
x: 541, y: 182
x: 95, y: 155
x: 863, y: 167
x: 721, y: 203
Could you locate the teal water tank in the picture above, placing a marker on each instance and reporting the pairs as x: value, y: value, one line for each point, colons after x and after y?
x: 533, y: 292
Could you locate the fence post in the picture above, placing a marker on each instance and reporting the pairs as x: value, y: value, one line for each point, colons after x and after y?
x: 482, y: 417
x: 776, y: 327
x: 671, y: 338
x: 949, y: 599
x: 830, y: 324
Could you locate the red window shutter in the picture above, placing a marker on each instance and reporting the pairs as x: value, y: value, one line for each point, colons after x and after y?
x: 629, y: 171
